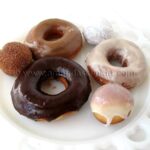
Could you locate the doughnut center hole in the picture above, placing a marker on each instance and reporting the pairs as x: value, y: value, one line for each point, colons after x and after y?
x: 53, y: 86
x: 116, y: 60
x: 53, y: 34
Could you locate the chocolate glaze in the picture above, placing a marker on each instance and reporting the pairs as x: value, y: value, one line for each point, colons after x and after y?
x: 54, y: 37
x: 30, y: 101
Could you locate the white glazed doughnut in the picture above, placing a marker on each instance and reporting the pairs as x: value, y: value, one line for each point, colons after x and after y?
x: 97, y: 32
x: 111, y: 103
x: 133, y: 70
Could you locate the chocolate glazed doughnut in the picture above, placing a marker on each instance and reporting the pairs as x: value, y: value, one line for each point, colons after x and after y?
x: 54, y: 37
x: 30, y: 101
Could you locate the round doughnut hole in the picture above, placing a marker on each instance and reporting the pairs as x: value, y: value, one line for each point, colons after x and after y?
x: 137, y: 135
x: 53, y: 85
x: 53, y: 34
x: 116, y: 60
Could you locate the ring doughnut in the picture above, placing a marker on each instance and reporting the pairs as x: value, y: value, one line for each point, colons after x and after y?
x: 30, y: 101
x: 54, y: 37
x: 133, y: 68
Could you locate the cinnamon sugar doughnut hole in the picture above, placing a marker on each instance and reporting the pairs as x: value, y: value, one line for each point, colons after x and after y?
x: 15, y: 57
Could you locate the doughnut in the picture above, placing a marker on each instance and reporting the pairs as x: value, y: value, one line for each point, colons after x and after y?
x: 30, y: 101
x: 15, y: 57
x: 54, y: 37
x: 98, y: 31
x: 133, y: 69
x: 112, y: 103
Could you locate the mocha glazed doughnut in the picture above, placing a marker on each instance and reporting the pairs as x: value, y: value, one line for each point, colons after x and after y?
x: 30, y: 101
x: 54, y: 37
x: 133, y: 68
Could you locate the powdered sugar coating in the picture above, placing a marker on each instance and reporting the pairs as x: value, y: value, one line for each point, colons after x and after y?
x: 97, y: 32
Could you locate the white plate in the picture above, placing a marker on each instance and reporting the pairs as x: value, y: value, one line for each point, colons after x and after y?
x: 82, y: 128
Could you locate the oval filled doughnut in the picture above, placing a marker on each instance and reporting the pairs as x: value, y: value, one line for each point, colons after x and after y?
x: 112, y: 103
x: 30, y: 101
x: 133, y: 68
x: 54, y: 37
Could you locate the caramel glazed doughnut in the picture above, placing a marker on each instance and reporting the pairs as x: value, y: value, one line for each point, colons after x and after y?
x: 133, y: 70
x: 54, y: 37
x: 30, y: 101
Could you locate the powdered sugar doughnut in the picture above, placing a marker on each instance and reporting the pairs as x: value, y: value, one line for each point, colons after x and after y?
x: 133, y: 68
x: 112, y: 103
x: 97, y: 32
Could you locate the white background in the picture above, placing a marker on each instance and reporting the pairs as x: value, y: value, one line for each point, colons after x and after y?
x: 16, y: 17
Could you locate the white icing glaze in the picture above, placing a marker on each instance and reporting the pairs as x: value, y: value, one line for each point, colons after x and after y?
x: 132, y: 75
x: 97, y: 32
x: 112, y: 100
x: 111, y: 111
